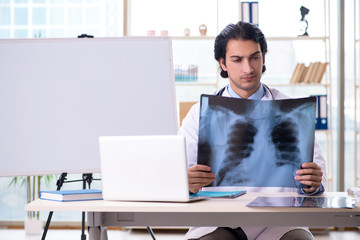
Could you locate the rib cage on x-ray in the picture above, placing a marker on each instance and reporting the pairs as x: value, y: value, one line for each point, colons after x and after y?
x: 255, y: 143
x: 285, y: 138
x: 239, y: 146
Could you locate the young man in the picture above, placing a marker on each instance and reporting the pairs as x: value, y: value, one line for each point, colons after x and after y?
x: 240, y: 50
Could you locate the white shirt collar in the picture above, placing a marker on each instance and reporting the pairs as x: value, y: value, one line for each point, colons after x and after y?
x: 258, y: 95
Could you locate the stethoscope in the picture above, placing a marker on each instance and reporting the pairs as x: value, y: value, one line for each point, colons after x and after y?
x: 267, y: 89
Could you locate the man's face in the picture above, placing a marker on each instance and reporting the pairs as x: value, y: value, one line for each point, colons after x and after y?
x: 244, y: 63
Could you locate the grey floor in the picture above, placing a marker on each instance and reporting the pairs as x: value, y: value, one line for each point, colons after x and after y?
x: 19, y: 234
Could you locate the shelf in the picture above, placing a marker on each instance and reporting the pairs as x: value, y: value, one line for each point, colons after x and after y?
x: 192, y: 38
x: 267, y: 38
x: 326, y: 131
x: 297, y: 38
x: 195, y: 84
x: 299, y: 85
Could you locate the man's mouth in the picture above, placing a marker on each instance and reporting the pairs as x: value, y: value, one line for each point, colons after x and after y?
x: 248, y: 78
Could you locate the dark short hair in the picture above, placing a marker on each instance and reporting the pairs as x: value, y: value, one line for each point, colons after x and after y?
x: 240, y: 30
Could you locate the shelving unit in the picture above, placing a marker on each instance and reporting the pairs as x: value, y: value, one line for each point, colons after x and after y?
x: 209, y: 80
x: 325, y: 87
x: 356, y: 92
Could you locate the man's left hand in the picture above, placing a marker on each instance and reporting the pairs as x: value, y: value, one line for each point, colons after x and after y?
x: 310, y: 175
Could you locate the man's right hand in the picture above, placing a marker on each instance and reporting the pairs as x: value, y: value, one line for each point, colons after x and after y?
x: 199, y: 176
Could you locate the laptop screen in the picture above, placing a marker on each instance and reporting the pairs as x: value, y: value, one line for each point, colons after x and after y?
x: 144, y: 168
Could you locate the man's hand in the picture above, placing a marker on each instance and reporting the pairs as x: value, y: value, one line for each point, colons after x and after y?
x: 310, y: 175
x: 199, y: 176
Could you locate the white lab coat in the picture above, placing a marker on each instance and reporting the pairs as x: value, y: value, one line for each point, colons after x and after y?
x: 189, y: 130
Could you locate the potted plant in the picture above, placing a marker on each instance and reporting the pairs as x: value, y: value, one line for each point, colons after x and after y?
x: 32, y: 223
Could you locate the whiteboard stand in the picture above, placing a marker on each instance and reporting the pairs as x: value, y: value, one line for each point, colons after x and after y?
x: 151, y: 233
x: 86, y: 178
x: 59, y: 184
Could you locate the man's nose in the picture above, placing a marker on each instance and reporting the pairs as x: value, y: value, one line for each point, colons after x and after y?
x: 247, y: 68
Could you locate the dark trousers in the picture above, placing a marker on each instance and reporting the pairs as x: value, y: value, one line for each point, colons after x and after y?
x: 225, y: 233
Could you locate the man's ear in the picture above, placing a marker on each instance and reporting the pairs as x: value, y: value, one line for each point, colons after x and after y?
x: 263, y: 58
x: 223, y: 64
x: 263, y: 68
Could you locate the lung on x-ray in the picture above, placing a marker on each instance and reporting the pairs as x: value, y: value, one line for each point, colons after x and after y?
x: 256, y: 143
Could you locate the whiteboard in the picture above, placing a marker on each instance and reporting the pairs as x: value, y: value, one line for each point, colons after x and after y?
x: 57, y: 96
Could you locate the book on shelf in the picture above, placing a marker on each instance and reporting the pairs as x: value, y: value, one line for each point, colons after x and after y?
x: 254, y: 7
x: 310, y: 71
x: 250, y: 12
x: 321, y: 117
x: 304, y: 70
x: 295, y: 74
x: 314, y: 72
x: 320, y: 72
x: 71, y: 195
x: 308, y: 74
x: 299, y: 71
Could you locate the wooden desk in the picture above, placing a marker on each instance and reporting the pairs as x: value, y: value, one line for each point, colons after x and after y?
x: 212, y: 212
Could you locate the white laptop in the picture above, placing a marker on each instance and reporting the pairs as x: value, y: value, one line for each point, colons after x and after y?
x: 144, y: 168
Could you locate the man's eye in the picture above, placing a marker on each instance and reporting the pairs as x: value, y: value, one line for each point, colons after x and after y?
x: 255, y: 57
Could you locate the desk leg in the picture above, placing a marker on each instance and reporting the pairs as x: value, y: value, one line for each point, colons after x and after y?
x: 96, y: 231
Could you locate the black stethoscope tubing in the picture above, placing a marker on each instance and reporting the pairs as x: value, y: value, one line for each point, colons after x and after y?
x: 220, y: 93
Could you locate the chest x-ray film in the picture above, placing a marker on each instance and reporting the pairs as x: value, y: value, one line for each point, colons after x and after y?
x: 256, y: 143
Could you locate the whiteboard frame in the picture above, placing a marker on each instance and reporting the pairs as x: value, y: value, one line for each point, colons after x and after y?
x: 49, y: 86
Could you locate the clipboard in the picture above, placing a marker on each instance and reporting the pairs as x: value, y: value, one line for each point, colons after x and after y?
x: 219, y: 194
